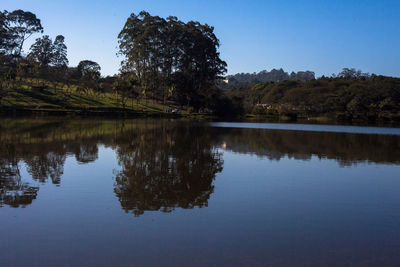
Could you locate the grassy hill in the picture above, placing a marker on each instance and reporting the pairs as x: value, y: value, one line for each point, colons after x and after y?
x: 38, y: 95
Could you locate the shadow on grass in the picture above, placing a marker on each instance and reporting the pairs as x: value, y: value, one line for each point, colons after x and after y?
x: 44, y: 96
x: 86, y: 100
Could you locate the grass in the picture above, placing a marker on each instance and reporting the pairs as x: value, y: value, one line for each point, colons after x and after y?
x: 27, y: 95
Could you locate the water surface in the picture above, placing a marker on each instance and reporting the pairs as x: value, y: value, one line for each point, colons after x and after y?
x: 164, y: 192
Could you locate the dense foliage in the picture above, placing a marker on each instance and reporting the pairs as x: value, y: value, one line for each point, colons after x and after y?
x: 16, y: 27
x: 349, y: 95
x: 248, y: 79
x: 46, y: 53
x: 165, y: 61
x: 170, y: 58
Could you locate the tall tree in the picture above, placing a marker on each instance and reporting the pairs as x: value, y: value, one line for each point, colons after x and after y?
x: 22, y: 24
x: 42, y: 51
x: 199, y: 63
x: 169, y: 54
x: 3, y: 24
x: 7, y: 38
x: 60, y: 59
x: 3, y: 32
x: 141, y: 44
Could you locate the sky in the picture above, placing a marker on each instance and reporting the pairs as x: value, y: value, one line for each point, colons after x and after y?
x: 322, y: 36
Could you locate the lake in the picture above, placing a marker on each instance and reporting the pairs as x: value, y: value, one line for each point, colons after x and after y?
x: 151, y: 192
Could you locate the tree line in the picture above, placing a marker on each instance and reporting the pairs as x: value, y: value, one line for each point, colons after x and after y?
x: 348, y: 95
x: 16, y: 27
x: 155, y: 172
x: 163, y: 59
x: 173, y: 62
x: 46, y: 59
x: 247, y: 79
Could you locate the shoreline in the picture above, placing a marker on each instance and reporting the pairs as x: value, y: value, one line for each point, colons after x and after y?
x: 119, y: 113
x: 99, y: 112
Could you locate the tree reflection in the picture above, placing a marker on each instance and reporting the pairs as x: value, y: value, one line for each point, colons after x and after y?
x: 166, y: 168
x: 13, y: 191
x: 346, y: 148
x: 44, y: 166
x: 163, y: 164
x: 86, y: 153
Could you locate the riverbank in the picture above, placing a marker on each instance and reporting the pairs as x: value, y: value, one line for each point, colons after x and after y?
x: 58, y: 99
x: 322, y: 120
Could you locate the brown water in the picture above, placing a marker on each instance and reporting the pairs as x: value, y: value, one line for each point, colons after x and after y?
x: 163, y: 192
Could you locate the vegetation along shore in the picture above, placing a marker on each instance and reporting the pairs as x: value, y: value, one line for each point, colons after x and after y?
x: 173, y: 68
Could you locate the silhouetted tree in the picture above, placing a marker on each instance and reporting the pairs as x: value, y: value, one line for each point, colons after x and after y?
x: 89, y: 69
x: 42, y: 51
x: 170, y: 54
x: 60, y: 59
x: 21, y: 25
x: 6, y: 41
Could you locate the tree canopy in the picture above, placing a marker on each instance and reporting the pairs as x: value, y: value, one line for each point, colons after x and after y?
x: 275, y: 75
x: 47, y: 53
x: 5, y: 40
x: 60, y: 52
x: 170, y: 55
x: 42, y: 51
x: 20, y: 25
x: 89, y: 69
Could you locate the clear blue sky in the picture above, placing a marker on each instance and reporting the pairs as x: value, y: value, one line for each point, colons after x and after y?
x: 323, y: 36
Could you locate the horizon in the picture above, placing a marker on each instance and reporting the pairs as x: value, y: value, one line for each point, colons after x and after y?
x: 262, y: 36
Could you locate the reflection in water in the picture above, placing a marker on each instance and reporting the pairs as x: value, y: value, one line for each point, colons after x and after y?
x: 42, y: 167
x: 348, y: 149
x: 96, y: 193
x: 163, y: 164
x: 13, y: 191
x: 86, y: 153
x: 42, y: 147
x: 166, y: 167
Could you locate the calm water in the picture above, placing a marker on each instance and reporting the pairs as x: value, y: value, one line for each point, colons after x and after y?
x: 162, y: 192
